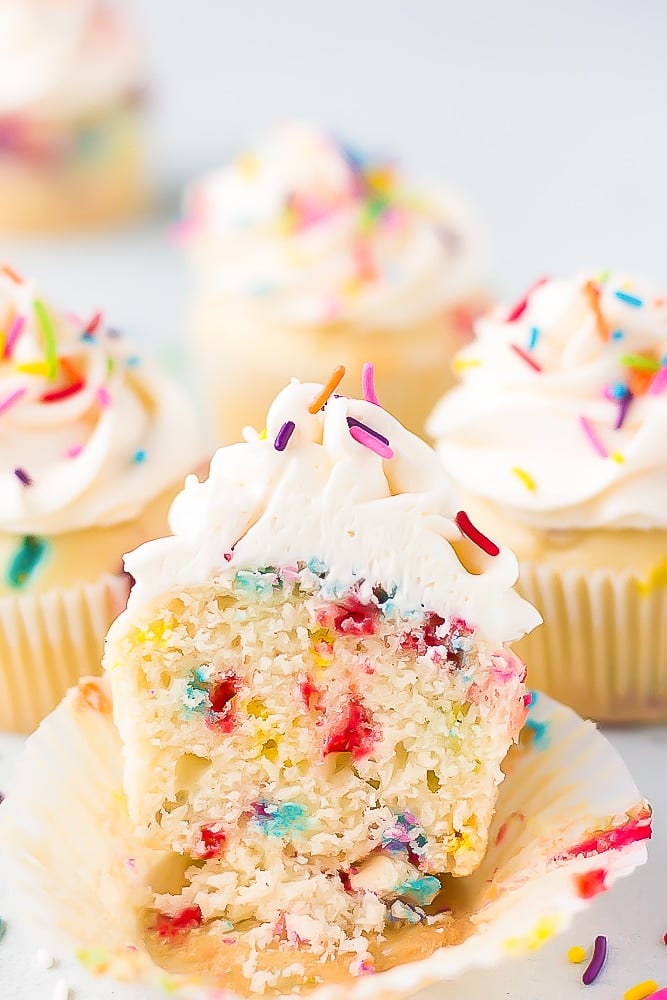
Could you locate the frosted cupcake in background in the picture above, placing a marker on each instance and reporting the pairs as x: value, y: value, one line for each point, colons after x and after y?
x: 557, y: 437
x: 72, y: 148
x: 306, y: 254
x: 94, y: 444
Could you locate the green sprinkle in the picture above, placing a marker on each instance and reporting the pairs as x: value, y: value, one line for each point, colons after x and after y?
x: 111, y: 364
x: 640, y: 362
x: 26, y: 560
x: 48, y: 333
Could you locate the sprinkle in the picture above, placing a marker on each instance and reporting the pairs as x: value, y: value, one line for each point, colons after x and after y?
x: 139, y: 456
x: 526, y: 357
x: 44, y: 959
x: 521, y: 306
x: 594, y: 967
x: 623, y: 407
x: 590, y: 433
x: 664, y: 938
x: 57, y: 394
x: 9, y: 401
x: 74, y: 451
x: 26, y: 560
x: 331, y: 386
x: 353, y: 422
x: 641, y: 990
x: 660, y: 995
x: 11, y: 273
x: 617, y: 335
x: 592, y: 293
x: 23, y: 477
x: 103, y: 396
x: 370, y: 440
x: 475, y: 535
x: 617, y: 390
x: 283, y: 435
x: 33, y: 368
x: 525, y: 477
x: 576, y: 954
x: 630, y: 300
x: 533, y: 338
x: 640, y: 361
x: 616, y: 456
x: 62, y: 991
x: 132, y: 361
x: 93, y: 324
x: 48, y: 333
x: 368, y: 383
x: 15, y: 331
x: 659, y: 383
x: 460, y: 364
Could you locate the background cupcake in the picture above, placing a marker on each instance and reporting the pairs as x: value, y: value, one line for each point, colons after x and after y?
x: 557, y: 437
x: 94, y: 443
x: 307, y: 254
x: 71, y: 124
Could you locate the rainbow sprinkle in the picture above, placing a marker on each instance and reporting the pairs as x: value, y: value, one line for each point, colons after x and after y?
x: 475, y: 535
x: 623, y: 407
x: 15, y: 331
x: 103, y: 397
x: 640, y: 362
x: 641, y: 990
x: 591, y: 434
x: 368, y: 383
x: 26, y: 560
x: 49, y: 335
x: 576, y: 954
x: 284, y: 434
x: 526, y: 357
x: 630, y: 300
x: 659, y: 383
x: 594, y: 967
x: 23, y: 477
x: 533, y: 338
x: 525, y: 477
x: 332, y: 384
x: 10, y: 400
x: 371, y: 439
x: 592, y: 293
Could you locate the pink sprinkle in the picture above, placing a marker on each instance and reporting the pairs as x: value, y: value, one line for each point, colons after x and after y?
x: 74, y: 451
x: 660, y: 995
x: 368, y: 383
x: 371, y: 442
x: 592, y: 436
x: 15, y: 332
x: 7, y: 403
x: 103, y: 396
x: 525, y: 356
x: 659, y: 383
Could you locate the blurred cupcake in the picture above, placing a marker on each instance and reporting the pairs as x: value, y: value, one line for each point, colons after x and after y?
x: 71, y: 122
x: 93, y: 446
x: 307, y: 254
x: 557, y: 437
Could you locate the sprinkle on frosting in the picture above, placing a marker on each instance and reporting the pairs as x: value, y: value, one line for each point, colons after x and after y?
x: 517, y: 311
x: 352, y: 422
x: 525, y: 477
x: 592, y: 436
x: 28, y: 557
x: 23, y: 477
x: 48, y: 333
x: 328, y: 389
x: 526, y: 357
x: 283, y: 435
x: 15, y: 332
x: 368, y: 384
x: 9, y: 401
x: 475, y: 535
x: 592, y: 293
x: 598, y: 958
x: 630, y: 300
x: 370, y: 439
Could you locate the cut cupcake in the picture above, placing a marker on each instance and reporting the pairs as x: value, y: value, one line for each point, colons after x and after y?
x: 313, y: 687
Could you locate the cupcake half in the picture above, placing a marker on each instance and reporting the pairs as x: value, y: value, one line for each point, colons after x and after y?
x: 94, y: 444
x: 307, y: 253
x: 556, y: 436
x: 72, y: 146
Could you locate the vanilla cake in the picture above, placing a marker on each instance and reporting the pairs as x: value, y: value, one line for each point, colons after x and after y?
x: 313, y: 687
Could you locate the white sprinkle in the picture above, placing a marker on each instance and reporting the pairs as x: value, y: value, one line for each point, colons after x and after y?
x: 62, y: 991
x: 45, y: 959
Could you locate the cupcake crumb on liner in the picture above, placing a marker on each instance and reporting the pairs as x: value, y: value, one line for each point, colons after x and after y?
x: 569, y: 822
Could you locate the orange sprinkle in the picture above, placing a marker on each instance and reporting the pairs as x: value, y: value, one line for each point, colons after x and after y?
x: 93, y: 696
x: 334, y: 381
x: 11, y: 273
x: 592, y: 293
x: 639, y: 381
x: 72, y: 372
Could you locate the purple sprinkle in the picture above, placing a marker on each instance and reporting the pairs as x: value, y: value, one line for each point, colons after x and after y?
x: 623, y: 407
x: 596, y: 963
x: 283, y: 435
x: 23, y: 477
x: 353, y: 422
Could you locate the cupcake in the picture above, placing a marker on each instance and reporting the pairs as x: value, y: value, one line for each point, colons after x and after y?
x: 71, y: 121
x: 315, y: 693
x: 556, y: 437
x: 305, y: 254
x: 94, y: 444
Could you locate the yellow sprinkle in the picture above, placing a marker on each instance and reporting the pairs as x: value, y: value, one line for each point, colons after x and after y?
x: 3, y: 341
x: 460, y: 364
x: 576, y: 954
x: 247, y: 165
x: 656, y: 578
x: 33, y: 368
x: 545, y: 929
x: 525, y: 478
x: 617, y: 457
x: 641, y: 990
x: 257, y: 709
x: 262, y: 435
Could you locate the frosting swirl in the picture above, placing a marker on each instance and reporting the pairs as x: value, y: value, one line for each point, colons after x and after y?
x: 561, y: 414
x: 312, y: 493
x: 62, y: 59
x: 89, y: 433
x: 315, y: 233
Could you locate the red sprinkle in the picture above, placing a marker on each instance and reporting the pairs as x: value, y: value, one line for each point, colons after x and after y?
x: 351, y: 617
x: 311, y: 694
x: 519, y: 309
x: 664, y: 939
x: 475, y: 535
x: 212, y: 842
x: 221, y: 711
x: 525, y: 356
x: 93, y: 323
x: 169, y: 927
x: 57, y: 394
x: 357, y: 734
x: 591, y: 883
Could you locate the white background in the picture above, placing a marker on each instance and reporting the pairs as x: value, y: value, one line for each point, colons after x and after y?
x: 552, y: 118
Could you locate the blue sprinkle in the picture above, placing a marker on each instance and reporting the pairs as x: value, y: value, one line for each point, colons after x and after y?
x: 316, y: 566
x: 277, y: 819
x: 630, y: 300
x: 618, y: 390
x: 26, y: 560
x: 139, y: 456
x: 534, y: 334
x: 422, y: 890
x: 255, y: 582
x: 133, y: 361
x: 617, y: 335
x: 90, y: 338
x: 538, y: 727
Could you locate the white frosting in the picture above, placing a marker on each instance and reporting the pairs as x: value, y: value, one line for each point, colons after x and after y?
x: 505, y: 415
x: 325, y: 260
x: 60, y: 58
x: 98, y: 456
x: 329, y: 498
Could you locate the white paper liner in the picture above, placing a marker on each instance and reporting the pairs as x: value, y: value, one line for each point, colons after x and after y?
x: 603, y: 646
x: 48, y: 641
x: 568, y: 808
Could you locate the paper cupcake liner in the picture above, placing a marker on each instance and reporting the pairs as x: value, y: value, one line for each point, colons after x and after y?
x: 48, y: 641
x: 569, y: 823
x: 603, y: 646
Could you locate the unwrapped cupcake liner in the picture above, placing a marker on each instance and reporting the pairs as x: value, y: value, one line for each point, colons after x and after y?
x: 568, y: 824
x: 48, y: 641
x: 603, y: 646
